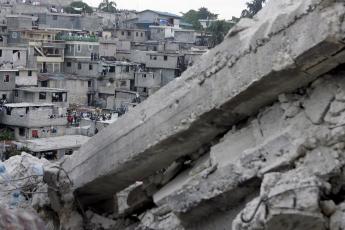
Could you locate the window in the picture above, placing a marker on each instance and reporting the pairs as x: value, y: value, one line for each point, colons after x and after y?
x: 30, y: 73
x: 0, y: 53
x: 90, y: 47
x: 165, y: 58
x: 42, y: 95
x: 89, y: 84
x: 8, y: 110
x: 90, y: 67
x: 137, y: 34
x: 79, y: 48
x: 123, y: 33
x: 112, y: 69
x: 55, y: 17
x: 129, y: 33
x: 7, y: 78
x: 44, y: 83
x: 79, y: 65
x: 69, y: 64
x: 16, y: 93
x: 17, y: 52
x: 4, y: 96
x: 22, y: 132
x: 59, y: 97
x: 141, y: 34
x: 17, y: 73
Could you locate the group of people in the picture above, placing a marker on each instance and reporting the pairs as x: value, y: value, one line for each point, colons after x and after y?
x: 75, y: 117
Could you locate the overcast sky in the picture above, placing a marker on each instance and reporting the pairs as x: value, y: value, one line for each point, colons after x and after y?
x: 225, y: 8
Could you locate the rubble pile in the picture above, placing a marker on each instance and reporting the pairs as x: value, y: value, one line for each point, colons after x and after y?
x: 250, y: 138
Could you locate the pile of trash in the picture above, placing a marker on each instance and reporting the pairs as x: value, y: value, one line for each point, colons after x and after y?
x: 21, y: 179
x: 37, y: 193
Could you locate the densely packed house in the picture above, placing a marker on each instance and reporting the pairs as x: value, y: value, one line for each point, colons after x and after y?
x: 73, y: 74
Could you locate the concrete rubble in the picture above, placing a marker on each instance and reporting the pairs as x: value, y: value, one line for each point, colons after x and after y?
x: 251, y: 137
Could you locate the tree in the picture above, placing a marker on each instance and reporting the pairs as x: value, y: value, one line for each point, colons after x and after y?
x: 253, y: 7
x: 78, y: 7
x: 107, y: 6
x: 218, y: 30
x: 193, y: 17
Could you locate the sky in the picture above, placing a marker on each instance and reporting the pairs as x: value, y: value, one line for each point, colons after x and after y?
x: 225, y: 8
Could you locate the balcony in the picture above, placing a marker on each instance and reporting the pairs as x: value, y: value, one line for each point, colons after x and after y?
x: 50, y: 59
x: 77, y: 38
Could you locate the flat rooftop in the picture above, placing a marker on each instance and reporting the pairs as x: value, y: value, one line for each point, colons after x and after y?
x: 24, y: 105
x: 41, y: 89
x: 55, y: 143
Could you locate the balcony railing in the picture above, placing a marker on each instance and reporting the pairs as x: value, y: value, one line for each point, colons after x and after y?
x: 77, y: 38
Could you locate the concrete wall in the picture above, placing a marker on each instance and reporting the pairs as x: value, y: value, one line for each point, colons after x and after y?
x: 161, y: 60
x: 15, y: 55
x: 7, y: 80
x: 107, y: 49
x: 82, y: 67
x: 186, y: 36
x: 33, y: 97
x: 26, y: 78
x: 43, y: 132
x: 91, y: 23
x: 81, y: 49
x: 19, y: 22
x: 78, y: 89
x: 132, y: 35
x: 157, y: 34
x: 33, y: 117
x: 64, y: 21
x: 147, y: 80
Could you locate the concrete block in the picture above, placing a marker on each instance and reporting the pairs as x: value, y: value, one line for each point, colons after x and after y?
x: 233, y: 145
x: 287, y: 201
x: 319, y: 101
x: 337, y: 220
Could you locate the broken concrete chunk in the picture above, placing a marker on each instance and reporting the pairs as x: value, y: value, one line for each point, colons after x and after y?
x: 318, y: 103
x: 287, y: 201
x: 160, y: 219
x: 232, y: 145
x: 336, y: 108
x: 132, y: 199
x: 323, y: 161
x: 328, y: 207
x: 337, y: 220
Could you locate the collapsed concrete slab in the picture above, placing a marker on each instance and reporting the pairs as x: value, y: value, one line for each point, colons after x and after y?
x: 286, y: 46
x: 282, y: 143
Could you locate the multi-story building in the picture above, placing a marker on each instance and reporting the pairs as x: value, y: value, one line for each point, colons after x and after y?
x: 81, y: 55
x: 55, y: 96
x: 34, y: 120
x: 7, y: 84
x: 52, y: 61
